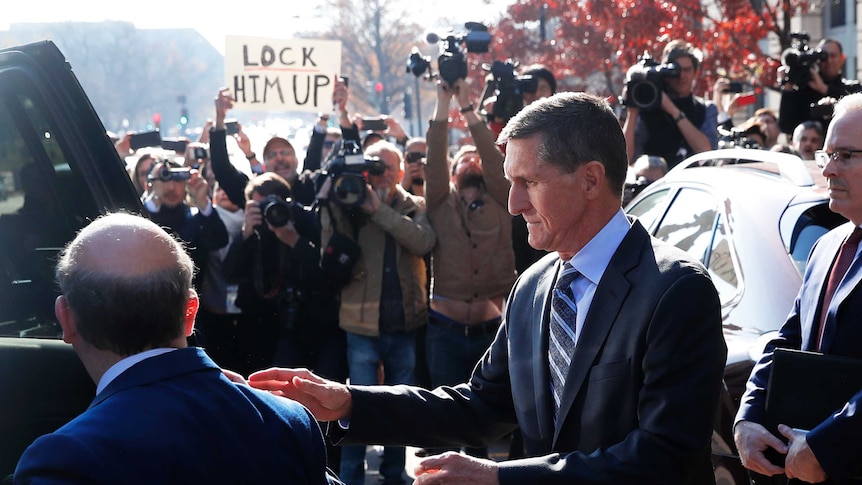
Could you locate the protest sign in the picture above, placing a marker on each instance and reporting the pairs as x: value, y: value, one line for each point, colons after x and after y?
x: 282, y: 74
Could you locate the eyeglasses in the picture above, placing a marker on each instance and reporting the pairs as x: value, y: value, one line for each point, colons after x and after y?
x: 328, y: 143
x: 841, y: 158
x: 284, y: 153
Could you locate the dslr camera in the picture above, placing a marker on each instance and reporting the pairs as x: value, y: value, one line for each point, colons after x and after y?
x: 166, y: 173
x: 799, y: 58
x: 348, y: 170
x: 276, y: 211
x: 452, y: 61
x: 645, y: 82
x: 509, y: 88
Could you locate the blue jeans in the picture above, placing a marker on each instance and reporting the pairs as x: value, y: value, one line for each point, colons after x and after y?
x: 397, y: 351
x: 451, y: 358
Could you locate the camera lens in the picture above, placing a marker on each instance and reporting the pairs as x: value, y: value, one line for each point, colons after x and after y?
x: 349, y: 189
x: 275, y: 211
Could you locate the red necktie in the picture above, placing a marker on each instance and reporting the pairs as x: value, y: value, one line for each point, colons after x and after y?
x: 839, y: 269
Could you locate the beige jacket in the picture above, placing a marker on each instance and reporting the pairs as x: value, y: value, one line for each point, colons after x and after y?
x: 473, y: 258
x: 407, y: 222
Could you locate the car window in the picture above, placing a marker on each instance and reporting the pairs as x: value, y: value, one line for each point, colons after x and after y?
x: 649, y: 208
x: 689, y: 222
x: 722, y: 265
x: 810, y: 225
x: 39, y: 212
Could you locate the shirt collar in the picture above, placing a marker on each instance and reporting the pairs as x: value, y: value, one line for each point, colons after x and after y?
x: 592, y: 260
x: 115, y: 370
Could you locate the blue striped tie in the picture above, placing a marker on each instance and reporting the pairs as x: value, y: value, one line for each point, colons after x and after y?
x: 564, y: 314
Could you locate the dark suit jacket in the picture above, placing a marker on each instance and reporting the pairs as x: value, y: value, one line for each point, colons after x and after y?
x: 835, y: 442
x: 640, y: 397
x: 175, y: 418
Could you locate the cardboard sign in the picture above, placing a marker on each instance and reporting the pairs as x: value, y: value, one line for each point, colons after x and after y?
x: 282, y: 74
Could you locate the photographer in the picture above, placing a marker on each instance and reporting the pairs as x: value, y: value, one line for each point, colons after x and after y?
x: 812, y: 101
x: 384, y: 297
x: 545, y: 85
x: 646, y: 170
x: 198, y: 225
x: 682, y: 124
x: 276, y: 263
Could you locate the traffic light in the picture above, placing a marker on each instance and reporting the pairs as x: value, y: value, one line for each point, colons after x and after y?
x: 408, y: 105
x: 184, y: 116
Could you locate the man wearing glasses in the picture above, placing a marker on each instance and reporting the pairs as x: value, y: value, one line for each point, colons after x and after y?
x: 683, y: 124
x: 824, y: 318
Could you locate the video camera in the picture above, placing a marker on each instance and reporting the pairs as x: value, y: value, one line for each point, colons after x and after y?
x: 276, y: 211
x: 645, y: 82
x: 509, y: 88
x: 452, y: 61
x: 799, y: 58
x: 348, y: 170
x: 739, y: 138
x: 166, y: 173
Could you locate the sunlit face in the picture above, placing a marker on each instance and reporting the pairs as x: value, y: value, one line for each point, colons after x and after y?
x: 281, y: 159
x: 681, y: 86
x: 468, y: 164
x: 807, y: 143
x: 416, y: 146
x: 142, y: 171
x: 543, y: 90
x: 551, y: 201
x: 844, y: 178
x: 769, y: 126
x: 173, y: 192
x: 393, y: 172
x: 831, y: 67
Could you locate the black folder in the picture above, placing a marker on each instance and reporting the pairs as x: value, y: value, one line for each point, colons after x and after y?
x: 805, y: 388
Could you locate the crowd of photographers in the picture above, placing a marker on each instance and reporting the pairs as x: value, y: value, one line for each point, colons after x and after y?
x: 339, y: 267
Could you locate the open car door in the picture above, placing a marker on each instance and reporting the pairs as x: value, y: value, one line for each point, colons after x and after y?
x: 58, y: 171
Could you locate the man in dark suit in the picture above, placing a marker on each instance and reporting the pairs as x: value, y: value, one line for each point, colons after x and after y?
x: 825, y: 318
x: 163, y: 412
x: 639, y: 331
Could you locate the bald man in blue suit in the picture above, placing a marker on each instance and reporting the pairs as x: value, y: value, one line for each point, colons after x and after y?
x: 163, y: 413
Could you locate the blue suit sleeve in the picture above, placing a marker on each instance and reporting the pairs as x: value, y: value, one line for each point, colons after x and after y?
x: 57, y: 459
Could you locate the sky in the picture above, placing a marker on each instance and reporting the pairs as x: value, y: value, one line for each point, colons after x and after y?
x: 257, y: 18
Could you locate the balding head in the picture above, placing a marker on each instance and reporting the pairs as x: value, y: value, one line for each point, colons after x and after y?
x: 127, y: 283
x: 124, y: 245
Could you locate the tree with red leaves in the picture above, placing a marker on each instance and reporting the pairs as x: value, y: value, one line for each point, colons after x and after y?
x: 589, y: 44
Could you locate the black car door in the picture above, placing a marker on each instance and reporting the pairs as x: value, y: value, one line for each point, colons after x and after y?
x: 59, y: 170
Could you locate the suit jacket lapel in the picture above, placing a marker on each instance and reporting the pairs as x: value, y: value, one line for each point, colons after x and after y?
x: 607, y: 302
x: 541, y: 373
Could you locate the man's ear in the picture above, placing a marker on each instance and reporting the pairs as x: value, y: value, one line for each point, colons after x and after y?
x: 191, y: 312
x: 66, y: 319
x: 593, y: 178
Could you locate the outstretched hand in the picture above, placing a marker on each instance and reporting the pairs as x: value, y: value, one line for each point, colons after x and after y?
x: 327, y: 400
x: 455, y: 468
